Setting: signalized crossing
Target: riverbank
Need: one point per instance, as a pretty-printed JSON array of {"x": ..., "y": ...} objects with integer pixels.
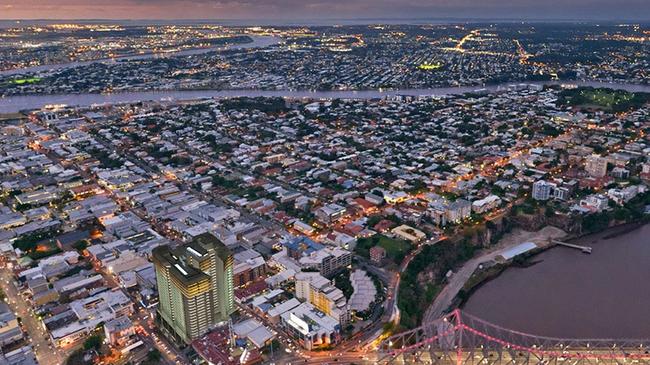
[
  {"x": 619, "y": 230},
  {"x": 524, "y": 260},
  {"x": 543, "y": 240},
  {"x": 567, "y": 293},
  {"x": 14, "y": 104},
  {"x": 447, "y": 296}
]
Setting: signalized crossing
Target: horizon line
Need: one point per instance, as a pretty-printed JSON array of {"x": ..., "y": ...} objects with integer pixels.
[{"x": 306, "y": 19}]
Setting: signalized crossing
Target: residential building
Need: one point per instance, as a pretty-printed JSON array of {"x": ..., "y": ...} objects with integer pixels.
[
  {"x": 365, "y": 291},
  {"x": 195, "y": 286},
  {"x": 10, "y": 331},
  {"x": 118, "y": 331},
  {"x": 458, "y": 210},
  {"x": 622, "y": 196},
  {"x": 249, "y": 267},
  {"x": 620, "y": 173},
  {"x": 595, "y": 202},
  {"x": 312, "y": 255},
  {"x": 330, "y": 213},
  {"x": 486, "y": 204},
  {"x": 21, "y": 356},
  {"x": 596, "y": 166},
  {"x": 85, "y": 314},
  {"x": 320, "y": 292},
  {"x": 542, "y": 190},
  {"x": 561, "y": 193}
]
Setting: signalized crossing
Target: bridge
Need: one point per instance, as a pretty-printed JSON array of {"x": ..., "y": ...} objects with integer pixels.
[{"x": 462, "y": 339}]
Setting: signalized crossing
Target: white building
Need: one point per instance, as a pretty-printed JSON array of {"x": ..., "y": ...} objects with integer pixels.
[
  {"x": 89, "y": 312},
  {"x": 459, "y": 210},
  {"x": 622, "y": 196},
  {"x": 561, "y": 193},
  {"x": 364, "y": 291},
  {"x": 595, "y": 202},
  {"x": 542, "y": 190},
  {"x": 486, "y": 204},
  {"x": 330, "y": 213},
  {"x": 311, "y": 327},
  {"x": 328, "y": 261}
]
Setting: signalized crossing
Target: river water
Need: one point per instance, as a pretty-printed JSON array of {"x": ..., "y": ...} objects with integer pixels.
[
  {"x": 16, "y": 103},
  {"x": 570, "y": 294}
]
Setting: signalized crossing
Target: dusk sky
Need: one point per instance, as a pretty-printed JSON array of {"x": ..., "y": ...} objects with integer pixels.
[{"x": 319, "y": 9}]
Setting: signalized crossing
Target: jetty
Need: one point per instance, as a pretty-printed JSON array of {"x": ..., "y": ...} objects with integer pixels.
[{"x": 584, "y": 249}]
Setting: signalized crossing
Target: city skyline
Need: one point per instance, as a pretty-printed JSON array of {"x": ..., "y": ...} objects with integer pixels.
[{"x": 637, "y": 10}]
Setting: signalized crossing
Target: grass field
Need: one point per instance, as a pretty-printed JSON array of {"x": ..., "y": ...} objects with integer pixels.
[
  {"x": 430, "y": 66},
  {"x": 395, "y": 249},
  {"x": 30, "y": 80},
  {"x": 605, "y": 99}
]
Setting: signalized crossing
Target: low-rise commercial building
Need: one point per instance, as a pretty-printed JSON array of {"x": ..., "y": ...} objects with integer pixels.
[{"x": 311, "y": 327}]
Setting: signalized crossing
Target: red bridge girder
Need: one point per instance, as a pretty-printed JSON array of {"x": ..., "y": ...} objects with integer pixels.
[{"x": 461, "y": 338}]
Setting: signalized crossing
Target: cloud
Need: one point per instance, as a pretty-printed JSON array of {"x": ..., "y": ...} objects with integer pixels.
[{"x": 312, "y": 9}]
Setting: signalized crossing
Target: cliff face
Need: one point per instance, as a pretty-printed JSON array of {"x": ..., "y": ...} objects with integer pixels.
[
  {"x": 535, "y": 222},
  {"x": 565, "y": 223}
]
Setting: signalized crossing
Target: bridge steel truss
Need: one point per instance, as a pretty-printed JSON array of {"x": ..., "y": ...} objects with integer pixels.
[{"x": 462, "y": 339}]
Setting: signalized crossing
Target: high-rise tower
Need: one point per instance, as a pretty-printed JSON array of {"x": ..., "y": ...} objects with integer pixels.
[{"x": 195, "y": 286}]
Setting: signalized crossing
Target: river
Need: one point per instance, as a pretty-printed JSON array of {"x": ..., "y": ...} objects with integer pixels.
[
  {"x": 570, "y": 294},
  {"x": 25, "y": 102}
]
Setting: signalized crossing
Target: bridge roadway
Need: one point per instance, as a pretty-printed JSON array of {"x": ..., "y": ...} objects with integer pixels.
[{"x": 477, "y": 357}]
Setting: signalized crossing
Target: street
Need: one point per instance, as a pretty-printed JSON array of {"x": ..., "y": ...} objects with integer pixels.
[{"x": 39, "y": 339}]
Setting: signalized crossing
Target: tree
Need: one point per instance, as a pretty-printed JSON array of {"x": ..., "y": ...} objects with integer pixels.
[
  {"x": 154, "y": 355},
  {"x": 622, "y": 214},
  {"x": 93, "y": 342},
  {"x": 80, "y": 245},
  {"x": 596, "y": 222},
  {"x": 342, "y": 282},
  {"x": 275, "y": 346},
  {"x": 76, "y": 358},
  {"x": 373, "y": 220},
  {"x": 549, "y": 212}
]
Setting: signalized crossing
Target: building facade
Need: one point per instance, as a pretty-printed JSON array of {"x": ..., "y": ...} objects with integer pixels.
[
  {"x": 542, "y": 190},
  {"x": 323, "y": 295},
  {"x": 311, "y": 327},
  {"x": 195, "y": 287},
  {"x": 596, "y": 166}
]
